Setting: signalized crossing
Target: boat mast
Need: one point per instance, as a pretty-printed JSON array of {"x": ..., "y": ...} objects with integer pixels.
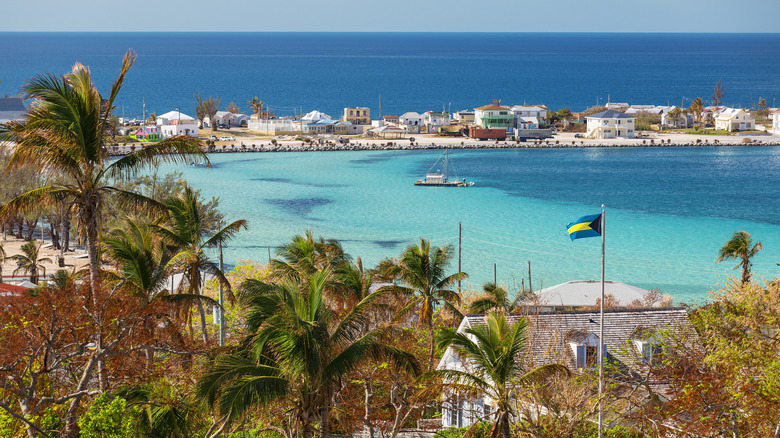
[{"x": 446, "y": 165}]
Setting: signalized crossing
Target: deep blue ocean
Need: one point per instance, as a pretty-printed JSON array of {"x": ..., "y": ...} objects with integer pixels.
[
  {"x": 668, "y": 210},
  {"x": 411, "y": 71}
]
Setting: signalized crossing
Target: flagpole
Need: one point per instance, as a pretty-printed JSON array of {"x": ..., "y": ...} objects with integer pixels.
[{"x": 601, "y": 324}]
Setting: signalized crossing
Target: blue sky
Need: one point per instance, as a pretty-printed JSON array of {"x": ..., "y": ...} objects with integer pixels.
[{"x": 395, "y": 16}]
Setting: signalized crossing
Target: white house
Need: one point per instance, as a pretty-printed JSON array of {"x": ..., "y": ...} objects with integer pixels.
[
  {"x": 610, "y": 124},
  {"x": 669, "y": 120},
  {"x": 412, "y": 121},
  {"x": 776, "y": 122},
  {"x": 617, "y": 106},
  {"x": 433, "y": 120},
  {"x": 175, "y": 123},
  {"x": 522, "y": 123},
  {"x": 734, "y": 119},
  {"x": 631, "y": 338},
  {"x": 464, "y": 117},
  {"x": 527, "y": 112}
]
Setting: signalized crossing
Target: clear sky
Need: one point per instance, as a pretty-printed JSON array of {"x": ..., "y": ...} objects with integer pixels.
[{"x": 393, "y": 16}]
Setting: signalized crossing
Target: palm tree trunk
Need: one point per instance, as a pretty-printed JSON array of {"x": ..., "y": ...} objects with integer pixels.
[
  {"x": 431, "y": 346},
  {"x": 90, "y": 222},
  {"x": 202, "y": 314}
]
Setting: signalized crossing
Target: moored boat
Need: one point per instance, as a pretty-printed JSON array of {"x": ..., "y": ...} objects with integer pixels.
[{"x": 442, "y": 178}]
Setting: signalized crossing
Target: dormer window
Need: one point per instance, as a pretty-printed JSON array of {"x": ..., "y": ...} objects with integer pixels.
[
  {"x": 585, "y": 347},
  {"x": 650, "y": 351},
  {"x": 648, "y": 344}
]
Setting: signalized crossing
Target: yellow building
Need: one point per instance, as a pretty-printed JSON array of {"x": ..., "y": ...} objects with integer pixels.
[{"x": 357, "y": 116}]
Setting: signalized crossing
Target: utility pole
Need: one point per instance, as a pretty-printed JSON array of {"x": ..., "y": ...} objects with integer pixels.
[
  {"x": 221, "y": 304},
  {"x": 494, "y": 275},
  {"x": 530, "y": 284},
  {"x": 460, "y": 249}
]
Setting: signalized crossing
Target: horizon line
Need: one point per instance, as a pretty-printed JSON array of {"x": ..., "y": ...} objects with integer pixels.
[{"x": 389, "y": 31}]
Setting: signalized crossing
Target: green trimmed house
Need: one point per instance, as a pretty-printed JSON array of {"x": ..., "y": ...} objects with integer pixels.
[{"x": 493, "y": 116}]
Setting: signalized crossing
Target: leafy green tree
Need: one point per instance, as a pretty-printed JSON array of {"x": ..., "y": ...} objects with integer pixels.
[
  {"x": 494, "y": 354},
  {"x": 739, "y": 248},
  {"x": 185, "y": 234},
  {"x": 106, "y": 418},
  {"x": 298, "y": 349},
  {"x": 65, "y": 132},
  {"x": 422, "y": 271},
  {"x": 29, "y": 261}
]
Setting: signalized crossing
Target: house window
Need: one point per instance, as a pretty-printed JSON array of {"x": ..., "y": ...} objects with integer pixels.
[
  {"x": 587, "y": 356},
  {"x": 453, "y": 415}
]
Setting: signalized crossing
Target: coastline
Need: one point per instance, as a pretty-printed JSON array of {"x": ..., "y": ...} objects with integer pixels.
[{"x": 250, "y": 143}]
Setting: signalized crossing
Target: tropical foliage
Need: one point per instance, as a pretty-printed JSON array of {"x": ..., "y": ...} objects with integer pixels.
[
  {"x": 421, "y": 270},
  {"x": 495, "y": 365},
  {"x": 65, "y": 132},
  {"x": 740, "y": 247}
]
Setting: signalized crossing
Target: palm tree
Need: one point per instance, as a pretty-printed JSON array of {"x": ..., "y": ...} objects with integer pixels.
[
  {"x": 493, "y": 356},
  {"x": 29, "y": 262},
  {"x": 140, "y": 258},
  {"x": 421, "y": 270},
  {"x": 186, "y": 235},
  {"x": 697, "y": 108},
  {"x": 298, "y": 349},
  {"x": 494, "y": 298},
  {"x": 305, "y": 255},
  {"x": 65, "y": 133},
  {"x": 738, "y": 248},
  {"x": 257, "y": 106}
]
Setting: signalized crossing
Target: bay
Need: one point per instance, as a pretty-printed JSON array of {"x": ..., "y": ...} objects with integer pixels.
[{"x": 669, "y": 210}]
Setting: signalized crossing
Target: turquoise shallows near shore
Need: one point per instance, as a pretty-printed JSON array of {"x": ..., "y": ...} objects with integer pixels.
[{"x": 668, "y": 211}]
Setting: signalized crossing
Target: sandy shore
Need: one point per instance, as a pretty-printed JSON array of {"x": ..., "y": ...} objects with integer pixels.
[
  {"x": 12, "y": 246},
  {"x": 246, "y": 141}
]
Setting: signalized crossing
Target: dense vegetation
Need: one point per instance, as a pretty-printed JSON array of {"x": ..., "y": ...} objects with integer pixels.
[{"x": 315, "y": 343}]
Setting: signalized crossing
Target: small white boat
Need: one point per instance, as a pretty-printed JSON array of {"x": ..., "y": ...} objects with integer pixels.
[{"x": 442, "y": 178}]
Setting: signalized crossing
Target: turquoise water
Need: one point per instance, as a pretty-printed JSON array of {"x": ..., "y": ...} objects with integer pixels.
[{"x": 668, "y": 210}]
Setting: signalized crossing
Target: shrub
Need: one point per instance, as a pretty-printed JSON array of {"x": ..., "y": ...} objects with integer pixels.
[
  {"x": 106, "y": 419},
  {"x": 480, "y": 431}
]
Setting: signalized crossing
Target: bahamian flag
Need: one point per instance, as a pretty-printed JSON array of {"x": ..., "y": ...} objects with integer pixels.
[{"x": 586, "y": 226}]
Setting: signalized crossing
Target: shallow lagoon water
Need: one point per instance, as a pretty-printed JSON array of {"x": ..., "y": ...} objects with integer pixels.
[{"x": 668, "y": 210}]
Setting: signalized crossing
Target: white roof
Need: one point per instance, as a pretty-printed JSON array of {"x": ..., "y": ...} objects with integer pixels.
[
  {"x": 729, "y": 113},
  {"x": 316, "y": 116},
  {"x": 527, "y": 108},
  {"x": 389, "y": 129},
  {"x": 585, "y": 293},
  {"x": 411, "y": 115},
  {"x": 174, "y": 115}
]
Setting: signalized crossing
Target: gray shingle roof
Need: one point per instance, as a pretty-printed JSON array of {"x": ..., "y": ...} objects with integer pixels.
[
  {"x": 549, "y": 333},
  {"x": 610, "y": 114}
]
